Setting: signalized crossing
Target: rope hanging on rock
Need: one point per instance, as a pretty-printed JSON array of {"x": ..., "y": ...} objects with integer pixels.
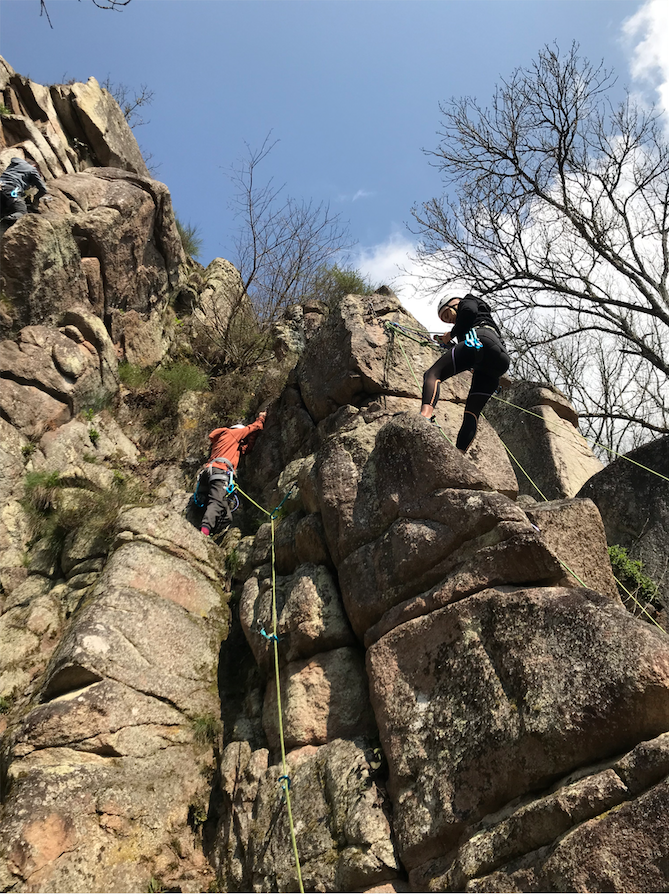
[{"x": 284, "y": 779}]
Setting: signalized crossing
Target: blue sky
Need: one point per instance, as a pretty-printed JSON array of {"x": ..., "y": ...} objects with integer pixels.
[{"x": 349, "y": 88}]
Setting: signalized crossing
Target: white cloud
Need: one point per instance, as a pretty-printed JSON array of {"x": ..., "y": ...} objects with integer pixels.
[
  {"x": 646, "y": 34},
  {"x": 362, "y": 194},
  {"x": 392, "y": 263}
]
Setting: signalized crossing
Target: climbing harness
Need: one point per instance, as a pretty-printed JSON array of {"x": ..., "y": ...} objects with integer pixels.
[
  {"x": 215, "y": 473},
  {"x": 284, "y": 779}
]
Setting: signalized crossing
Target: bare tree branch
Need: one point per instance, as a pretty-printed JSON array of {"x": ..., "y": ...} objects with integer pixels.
[
  {"x": 130, "y": 100},
  {"x": 101, "y": 4}
]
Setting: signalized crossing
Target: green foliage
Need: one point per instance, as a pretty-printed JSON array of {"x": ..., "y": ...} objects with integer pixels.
[
  {"x": 155, "y": 885},
  {"x": 4, "y": 111},
  {"x": 206, "y": 728},
  {"x": 6, "y": 702},
  {"x": 28, "y": 449},
  {"x": 180, "y": 378},
  {"x": 190, "y": 238},
  {"x": 232, "y": 396},
  {"x": 630, "y": 573},
  {"x": 88, "y": 414},
  {"x": 334, "y": 283},
  {"x": 197, "y": 816},
  {"x": 94, "y": 436},
  {"x": 133, "y": 376},
  {"x": 232, "y": 561},
  {"x": 51, "y": 518},
  {"x": 40, "y": 488}
]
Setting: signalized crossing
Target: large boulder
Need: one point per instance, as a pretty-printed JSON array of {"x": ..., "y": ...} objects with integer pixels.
[
  {"x": 353, "y": 356},
  {"x": 323, "y": 698},
  {"x": 634, "y": 505},
  {"x": 370, "y": 472},
  {"x": 121, "y": 226},
  {"x": 89, "y": 111},
  {"x": 13, "y": 529},
  {"x": 540, "y": 428},
  {"x": 48, "y": 375},
  {"x": 601, "y": 824},
  {"x": 502, "y": 693},
  {"x": 66, "y": 127},
  {"x": 310, "y": 614},
  {"x": 340, "y": 813},
  {"x": 109, "y": 763}
]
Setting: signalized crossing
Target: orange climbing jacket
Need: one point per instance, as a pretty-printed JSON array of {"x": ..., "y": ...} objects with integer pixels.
[{"x": 232, "y": 443}]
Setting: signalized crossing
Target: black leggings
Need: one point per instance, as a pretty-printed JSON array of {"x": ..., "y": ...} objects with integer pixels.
[{"x": 488, "y": 362}]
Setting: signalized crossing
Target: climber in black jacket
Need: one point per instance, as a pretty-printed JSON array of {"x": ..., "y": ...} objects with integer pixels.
[
  {"x": 479, "y": 347},
  {"x": 15, "y": 181}
]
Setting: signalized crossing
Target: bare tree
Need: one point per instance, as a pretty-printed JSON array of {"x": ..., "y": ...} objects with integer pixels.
[
  {"x": 130, "y": 100},
  {"x": 280, "y": 248},
  {"x": 282, "y": 243},
  {"x": 558, "y": 200}
]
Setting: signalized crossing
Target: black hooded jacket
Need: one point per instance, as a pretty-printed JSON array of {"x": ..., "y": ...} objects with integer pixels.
[
  {"x": 472, "y": 312},
  {"x": 21, "y": 175}
]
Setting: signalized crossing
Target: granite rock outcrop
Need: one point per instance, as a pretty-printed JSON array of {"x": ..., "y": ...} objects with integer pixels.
[{"x": 466, "y": 704}]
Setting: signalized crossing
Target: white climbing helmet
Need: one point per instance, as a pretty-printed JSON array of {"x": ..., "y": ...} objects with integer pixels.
[{"x": 445, "y": 302}]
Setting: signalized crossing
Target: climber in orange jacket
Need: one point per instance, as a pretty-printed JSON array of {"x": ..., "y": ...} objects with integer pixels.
[{"x": 228, "y": 445}]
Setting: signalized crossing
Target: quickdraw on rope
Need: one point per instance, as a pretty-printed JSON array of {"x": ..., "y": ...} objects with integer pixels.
[
  {"x": 284, "y": 779},
  {"x": 275, "y": 511},
  {"x": 390, "y": 325}
]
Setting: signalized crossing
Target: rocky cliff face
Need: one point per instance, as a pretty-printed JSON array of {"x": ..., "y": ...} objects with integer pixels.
[{"x": 467, "y": 705}]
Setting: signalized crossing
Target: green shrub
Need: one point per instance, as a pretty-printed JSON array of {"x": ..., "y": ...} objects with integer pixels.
[
  {"x": 51, "y": 520},
  {"x": 232, "y": 561},
  {"x": 133, "y": 376},
  {"x": 334, "y": 283},
  {"x": 197, "y": 816},
  {"x": 6, "y": 702},
  {"x": 190, "y": 238},
  {"x": 629, "y": 572},
  {"x": 206, "y": 728},
  {"x": 180, "y": 378},
  {"x": 4, "y": 110},
  {"x": 40, "y": 489},
  {"x": 28, "y": 449},
  {"x": 94, "y": 436}
]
